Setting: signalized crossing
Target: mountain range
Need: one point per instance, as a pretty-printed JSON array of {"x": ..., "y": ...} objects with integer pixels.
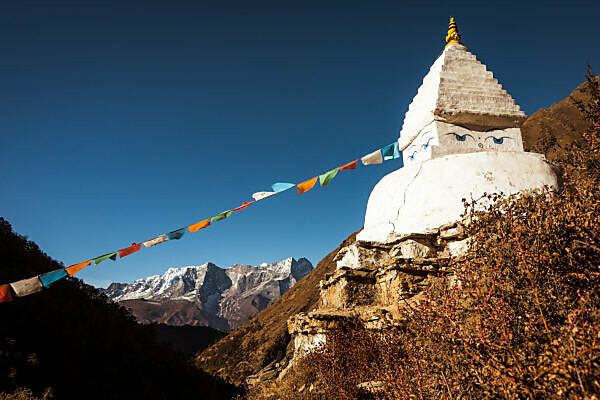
[{"x": 207, "y": 295}]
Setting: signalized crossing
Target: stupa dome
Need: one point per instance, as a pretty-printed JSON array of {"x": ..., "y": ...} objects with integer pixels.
[{"x": 460, "y": 138}]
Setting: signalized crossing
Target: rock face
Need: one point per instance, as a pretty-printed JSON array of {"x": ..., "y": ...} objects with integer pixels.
[{"x": 208, "y": 295}]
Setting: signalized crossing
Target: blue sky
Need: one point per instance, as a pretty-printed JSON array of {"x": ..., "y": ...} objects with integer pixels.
[{"x": 122, "y": 120}]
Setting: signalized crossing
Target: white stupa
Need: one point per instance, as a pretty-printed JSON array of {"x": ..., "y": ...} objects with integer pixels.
[{"x": 461, "y": 138}]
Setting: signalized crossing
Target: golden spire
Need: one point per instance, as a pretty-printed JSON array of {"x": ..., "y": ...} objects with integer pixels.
[{"x": 453, "y": 35}]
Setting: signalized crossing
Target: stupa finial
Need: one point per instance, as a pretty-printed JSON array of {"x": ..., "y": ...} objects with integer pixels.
[{"x": 453, "y": 37}]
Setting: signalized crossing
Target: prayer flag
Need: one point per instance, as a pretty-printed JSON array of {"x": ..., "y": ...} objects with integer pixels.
[
  {"x": 350, "y": 165},
  {"x": 5, "y": 296},
  {"x": 223, "y": 215},
  {"x": 391, "y": 151},
  {"x": 27, "y": 286},
  {"x": 73, "y": 269},
  {"x": 372, "y": 158},
  {"x": 176, "y": 234},
  {"x": 49, "y": 278},
  {"x": 112, "y": 256},
  {"x": 199, "y": 225},
  {"x": 281, "y": 186},
  {"x": 262, "y": 195},
  {"x": 130, "y": 250},
  {"x": 244, "y": 205},
  {"x": 306, "y": 186},
  {"x": 325, "y": 178},
  {"x": 155, "y": 241}
]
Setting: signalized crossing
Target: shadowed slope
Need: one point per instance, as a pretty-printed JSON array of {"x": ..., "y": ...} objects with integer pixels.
[{"x": 70, "y": 339}]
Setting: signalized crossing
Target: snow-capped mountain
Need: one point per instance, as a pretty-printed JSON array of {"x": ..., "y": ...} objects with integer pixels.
[{"x": 223, "y": 298}]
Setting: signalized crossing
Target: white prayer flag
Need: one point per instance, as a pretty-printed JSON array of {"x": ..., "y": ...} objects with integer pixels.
[
  {"x": 155, "y": 241},
  {"x": 373, "y": 158},
  {"x": 262, "y": 195},
  {"x": 27, "y": 286}
]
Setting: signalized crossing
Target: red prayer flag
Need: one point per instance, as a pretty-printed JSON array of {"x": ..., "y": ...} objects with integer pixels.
[
  {"x": 129, "y": 250},
  {"x": 350, "y": 165},
  {"x": 5, "y": 296},
  {"x": 244, "y": 205}
]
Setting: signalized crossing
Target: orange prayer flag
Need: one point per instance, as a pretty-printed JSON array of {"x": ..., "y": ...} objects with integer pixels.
[
  {"x": 306, "y": 186},
  {"x": 129, "y": 250},
  {"x": 5, "y": 295},
  {"x": 199, "y": 225},
  {"x": 73, "y": 269},
  {"x": 350, "y": 165},
  {"x": 244, "y": 205}
]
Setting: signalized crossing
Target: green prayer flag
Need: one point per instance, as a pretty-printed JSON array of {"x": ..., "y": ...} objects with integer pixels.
[
  {"x": 327, "y": 177},
  {"x": 112, "y": 256},
  {"x": 221, "y": 216}
]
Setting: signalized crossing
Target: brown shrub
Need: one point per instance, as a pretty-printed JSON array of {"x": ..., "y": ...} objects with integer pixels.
[{"x": 25, "y": 394}]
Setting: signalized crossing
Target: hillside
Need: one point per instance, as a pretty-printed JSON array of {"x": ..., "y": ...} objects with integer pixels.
[
  {"x": 552, "y": 130},
  {"x": 264, "y": 338},
  {"x": 70, "y": 341}
]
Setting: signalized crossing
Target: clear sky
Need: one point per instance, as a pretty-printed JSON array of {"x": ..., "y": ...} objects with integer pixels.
[{"x": 122, "y": 120}]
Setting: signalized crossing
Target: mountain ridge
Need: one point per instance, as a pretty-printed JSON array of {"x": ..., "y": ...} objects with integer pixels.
[{"x": 208, "y": 295}]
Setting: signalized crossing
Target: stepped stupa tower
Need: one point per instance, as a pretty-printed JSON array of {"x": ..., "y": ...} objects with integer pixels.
[{"x": 461, "y": 138}]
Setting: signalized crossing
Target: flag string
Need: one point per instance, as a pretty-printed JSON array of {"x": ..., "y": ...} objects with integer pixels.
[{"x": 37, "y": 283}]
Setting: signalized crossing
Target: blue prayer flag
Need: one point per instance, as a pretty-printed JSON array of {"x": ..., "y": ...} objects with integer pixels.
[
  {"x": 391, "y": 152},
  {"x": 49, "y": 278},
  {"x": 176, "y": 235},
  {"x": 281, "y": 186}
]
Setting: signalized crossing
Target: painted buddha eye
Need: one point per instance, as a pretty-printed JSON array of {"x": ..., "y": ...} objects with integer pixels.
[
  {"x": 460, "y": 138},
  {"x": 499, "y": 140},
  {"x": 412, "y": 156}
]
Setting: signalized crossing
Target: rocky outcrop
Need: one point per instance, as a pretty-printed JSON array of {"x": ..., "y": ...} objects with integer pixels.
[
  {"x": 208, "y": 295},
  {"x": 373, "y": 281}
]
